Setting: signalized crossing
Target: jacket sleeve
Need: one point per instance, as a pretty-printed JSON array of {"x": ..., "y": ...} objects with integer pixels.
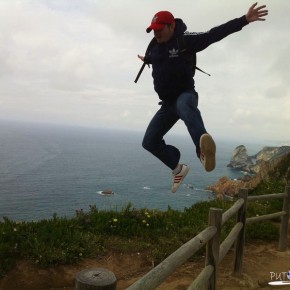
[{"x": 199, "y": 41}]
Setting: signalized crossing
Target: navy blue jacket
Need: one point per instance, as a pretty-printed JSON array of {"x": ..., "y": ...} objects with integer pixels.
[{"x": 172, "y": 73}]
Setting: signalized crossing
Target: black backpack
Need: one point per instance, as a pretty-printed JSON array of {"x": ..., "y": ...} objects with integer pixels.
[{"x": 184, "y": 53}]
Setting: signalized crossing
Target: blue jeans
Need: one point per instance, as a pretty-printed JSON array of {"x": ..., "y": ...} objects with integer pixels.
[{"x": 184, "y": 108}]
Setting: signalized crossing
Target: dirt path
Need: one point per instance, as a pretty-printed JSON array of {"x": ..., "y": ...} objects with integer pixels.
[{"x": 259, "y": 260}]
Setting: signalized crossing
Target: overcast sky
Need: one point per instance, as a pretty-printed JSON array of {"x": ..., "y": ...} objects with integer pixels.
[{"x": 74, "y": 62}]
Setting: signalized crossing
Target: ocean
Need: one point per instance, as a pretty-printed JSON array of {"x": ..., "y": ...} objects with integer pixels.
[{"x": 49, "y": 169}]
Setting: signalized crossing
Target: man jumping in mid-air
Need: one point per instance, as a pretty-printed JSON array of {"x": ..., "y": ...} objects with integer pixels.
[{"x": 174, "y": 84}]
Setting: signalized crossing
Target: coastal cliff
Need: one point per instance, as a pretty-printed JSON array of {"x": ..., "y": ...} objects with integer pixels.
[
  {"x": 270, "y": 162},
  {"x": 252, "y": 164}
]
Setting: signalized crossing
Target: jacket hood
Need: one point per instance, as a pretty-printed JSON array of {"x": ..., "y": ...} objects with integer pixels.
[{"x": 180, "y": 27}]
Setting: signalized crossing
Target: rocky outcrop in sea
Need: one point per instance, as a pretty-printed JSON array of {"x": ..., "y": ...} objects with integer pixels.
[
  {"x": 240, "y": 159},
  {"x": 257, "y": 166}
]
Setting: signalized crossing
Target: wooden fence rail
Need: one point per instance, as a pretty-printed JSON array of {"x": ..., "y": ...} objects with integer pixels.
[
  {"x": 232, "y": 211},
  {"x": 158, "y": 274},
  {"x": 216, "y": 251}
]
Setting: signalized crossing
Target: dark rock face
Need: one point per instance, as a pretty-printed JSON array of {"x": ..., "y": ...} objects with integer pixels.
[
  {"x": 270, "y": 163},
  {"x": 252, "y": 164},
  {"x": 240, "y": 159}
]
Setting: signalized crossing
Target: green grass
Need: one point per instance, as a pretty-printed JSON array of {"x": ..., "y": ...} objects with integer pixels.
[{"x": 89, "y": 234}]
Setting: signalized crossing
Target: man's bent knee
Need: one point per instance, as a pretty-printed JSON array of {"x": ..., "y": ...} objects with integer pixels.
[
  {"x": 150, "y": 146},
  {"x": 147, "y": 145}
]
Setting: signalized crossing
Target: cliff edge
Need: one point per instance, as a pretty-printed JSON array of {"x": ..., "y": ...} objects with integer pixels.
[{"x": 270, "y": 162}]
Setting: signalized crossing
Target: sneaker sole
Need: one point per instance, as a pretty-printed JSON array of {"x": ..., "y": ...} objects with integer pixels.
[
  {"x": 184, "y": 175},
  {"x": 208, "y": 148}
]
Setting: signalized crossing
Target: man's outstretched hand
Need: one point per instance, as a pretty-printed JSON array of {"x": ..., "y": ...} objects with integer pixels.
[
  {"x": 256, "y": 14},
  {"x": 141, "y": 57}
]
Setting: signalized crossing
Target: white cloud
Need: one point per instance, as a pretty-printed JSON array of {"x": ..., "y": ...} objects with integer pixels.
[{"x": 73, "y": 61}]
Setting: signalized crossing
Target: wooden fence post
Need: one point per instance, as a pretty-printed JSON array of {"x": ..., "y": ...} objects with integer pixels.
[
  {"x": 213, "y": 245},
  {"x": 96, "y": 279},
  {"x": 285, "y": 221},
  {"x": 240, "y": 242}
]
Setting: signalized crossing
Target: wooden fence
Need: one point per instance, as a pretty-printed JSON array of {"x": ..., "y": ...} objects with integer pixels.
[{"x": 215, "y": 251}]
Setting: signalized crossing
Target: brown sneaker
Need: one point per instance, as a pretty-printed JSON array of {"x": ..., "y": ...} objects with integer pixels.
[
  {"x": 177, "y": 178},
  {"x": 207, "y": 152}
]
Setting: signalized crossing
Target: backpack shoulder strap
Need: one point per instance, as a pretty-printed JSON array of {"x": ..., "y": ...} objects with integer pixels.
[
  {"x": 181, "y": 43},
  {"x": 146, "y": 58},
  {"x": 191, "y": 57},
  {"x": 151, "y": 44}
]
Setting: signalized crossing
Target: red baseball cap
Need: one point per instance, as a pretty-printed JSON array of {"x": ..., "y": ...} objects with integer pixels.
[{"x": 160, "y": 19}]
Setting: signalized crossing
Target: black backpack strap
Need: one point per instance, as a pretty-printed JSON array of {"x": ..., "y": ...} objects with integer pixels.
[
  {"x": 140, "y": 72},
  {"x": 150, "y": 46},
  {"x": 202, "y": 71},
  {"x": 146, "y": 58},
  {"x": 181, "y": 43},
  {"x": 190, "y": 57}
]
